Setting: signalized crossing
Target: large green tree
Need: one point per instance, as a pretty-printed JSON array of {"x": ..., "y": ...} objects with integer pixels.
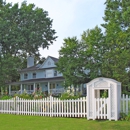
[
  {"x": 105, "y": 53},
  {"x": 80, "y": 60},
  {"x": 117, "y": 40},
  {"x": 23, "y": 30}
]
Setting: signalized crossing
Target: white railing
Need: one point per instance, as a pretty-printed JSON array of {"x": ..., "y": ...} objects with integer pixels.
[
  {"x": 45, "y": 107},
  {"x": 57, "y": 91},
  {"x": 14, "y": 92},
  {"x": 19, "y": 92}
]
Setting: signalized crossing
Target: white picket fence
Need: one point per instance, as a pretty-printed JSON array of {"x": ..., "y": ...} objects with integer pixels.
[
  {"x": 125, "y": 104},
  {"x": 45, "y": 107},
  {"x": 55, "y": 107}
]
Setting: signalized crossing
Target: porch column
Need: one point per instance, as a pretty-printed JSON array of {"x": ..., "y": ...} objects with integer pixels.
[
  {"x": 21, "y": 88},
  {"x": 34, "y": 87},
  {"x": 48, "y": 87},
  {"x": 9, "y": 89},
  {"x": 40, "y": 87}
]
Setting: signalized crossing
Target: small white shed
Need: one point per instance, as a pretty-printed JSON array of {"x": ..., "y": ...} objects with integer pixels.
[{"x": 103, "y": 108}]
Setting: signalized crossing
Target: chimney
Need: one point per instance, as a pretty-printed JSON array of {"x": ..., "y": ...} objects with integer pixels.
[{"x": 30, "y": 61}]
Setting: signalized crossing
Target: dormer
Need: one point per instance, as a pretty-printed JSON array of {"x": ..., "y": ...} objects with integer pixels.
[{"x": 49, "y": 63}]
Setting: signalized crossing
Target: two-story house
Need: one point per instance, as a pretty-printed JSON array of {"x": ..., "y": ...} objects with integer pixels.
[
  {"x": 41, "y": 76},
  {"x": 44, "y": 77}
]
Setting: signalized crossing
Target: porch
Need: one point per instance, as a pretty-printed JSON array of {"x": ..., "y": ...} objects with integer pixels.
[{"x": 50, "y": 87}]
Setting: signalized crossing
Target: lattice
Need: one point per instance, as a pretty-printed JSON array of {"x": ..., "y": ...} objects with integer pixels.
[
  {"x": 112, "y": 100},
  {"x": 90, "y": 101}
]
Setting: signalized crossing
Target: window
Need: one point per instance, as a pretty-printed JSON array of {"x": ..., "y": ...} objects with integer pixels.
[
  {"x": 25, "y": 76},
  {"x": 55, "y": 73},
  {"x": 49, "y": 73},
  {"x": 34, "y": 75}
]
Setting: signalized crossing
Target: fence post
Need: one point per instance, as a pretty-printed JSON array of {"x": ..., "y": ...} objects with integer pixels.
[
  {"x": 123, "y": 103},
  {"x": 126, "y": 104}
]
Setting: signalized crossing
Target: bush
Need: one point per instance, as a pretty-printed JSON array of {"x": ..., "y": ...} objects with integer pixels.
[
  {"x": 5, "y": 97},
  {"x": 66, "y": 96},
  {"x": 125, "y": 117}
]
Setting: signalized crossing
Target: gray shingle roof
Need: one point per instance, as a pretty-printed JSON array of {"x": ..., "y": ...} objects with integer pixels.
[
  {"x": 54, "y": 59},
  {"x": 36, "y": 67},
  {"x": 40, "y": 80}
]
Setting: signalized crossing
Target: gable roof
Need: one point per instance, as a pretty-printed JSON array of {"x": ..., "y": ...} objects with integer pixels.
[
  {"x": 37, "y": 66},
  {"x": 54, "y": 59}
]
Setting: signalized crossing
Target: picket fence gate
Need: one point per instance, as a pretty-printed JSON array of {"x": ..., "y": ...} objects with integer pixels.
[
  {"x": 101, "y": 108},
  {"x": 55, "y": 107}
]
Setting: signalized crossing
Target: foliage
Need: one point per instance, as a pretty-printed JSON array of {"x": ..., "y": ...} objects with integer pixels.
[
  {"x": 68, "y": 95},
  {"x": 70, "y": 62},
  {"x": 125, "y": 117},
  {"x": 117, "y": 27},
  {"x": 100, "y": 53},
  {"x": 24, "y": 29},
  {"x": 80, "y": 61},
  {"x": 104, "y": 93},
  {"x": 5, "y": 97},
  {"x": 38, "y": 94}
]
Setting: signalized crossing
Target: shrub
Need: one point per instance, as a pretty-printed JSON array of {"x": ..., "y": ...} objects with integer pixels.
[
  {"x": 5, "y": 97},
  {"x": 66, "y": 95},
  {"x": 125, "y": 117}
]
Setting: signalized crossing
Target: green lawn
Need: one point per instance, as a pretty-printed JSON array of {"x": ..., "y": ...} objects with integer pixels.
[{"x": 20, "y": 122}]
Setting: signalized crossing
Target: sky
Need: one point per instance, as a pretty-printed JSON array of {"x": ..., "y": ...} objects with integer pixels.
[{"x": 70, "y": 18}]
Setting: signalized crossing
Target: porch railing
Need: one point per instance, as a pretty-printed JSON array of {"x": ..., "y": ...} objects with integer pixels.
[
  {"x": 19, "y": 92},
  {"x": 57, "y": 91}
]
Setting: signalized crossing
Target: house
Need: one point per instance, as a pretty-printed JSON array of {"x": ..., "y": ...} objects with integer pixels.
[{"x": 40, "y": 76}]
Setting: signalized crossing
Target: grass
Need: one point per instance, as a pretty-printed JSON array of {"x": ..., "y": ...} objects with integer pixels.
[{"x": 21, "y": 122}]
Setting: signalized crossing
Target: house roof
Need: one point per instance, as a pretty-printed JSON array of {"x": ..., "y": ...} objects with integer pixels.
[
  {"x": 40, "y": 80},
  {"x": 37, "y": 66},
  {"x": 54, "y": 59}
]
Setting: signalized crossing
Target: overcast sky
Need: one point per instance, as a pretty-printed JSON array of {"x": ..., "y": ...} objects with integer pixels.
[{"x": 70, "y": 18}]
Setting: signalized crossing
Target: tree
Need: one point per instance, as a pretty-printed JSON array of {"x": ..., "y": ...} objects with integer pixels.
[
  {"x": 117, "y": 39},
  {"x": 105, "y": 53},
  {"x": 69, "y": 61},
  {"x": 24, "y": 29},
  {"x": 80, "y": 61}
]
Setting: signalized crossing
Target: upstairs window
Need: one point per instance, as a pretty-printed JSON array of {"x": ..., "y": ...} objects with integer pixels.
[
  {"x": 55, "y": 73},
  {"x": 25, "y": 76},
  {"x": 49, "y": 73},
  {"x": 34, "y": 75}
]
